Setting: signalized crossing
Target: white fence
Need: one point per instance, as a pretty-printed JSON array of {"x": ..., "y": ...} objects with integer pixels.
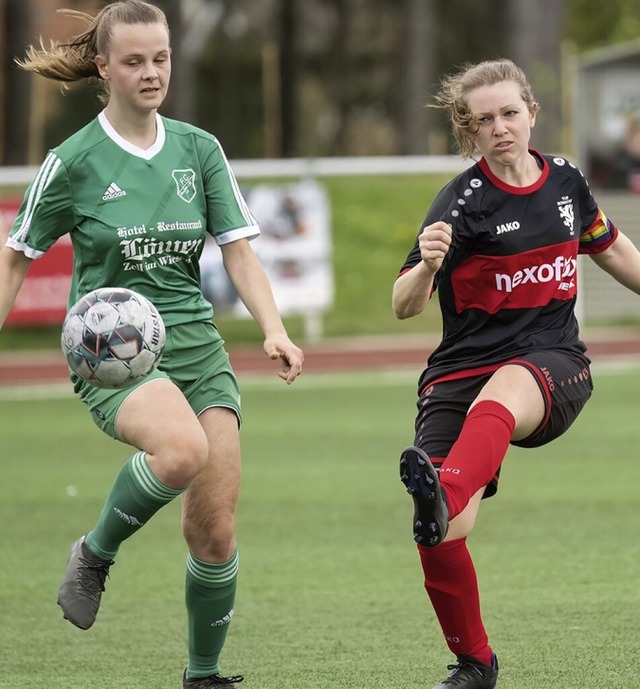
[
  {"x": 601, "y": 298},
  {"x": 302, "y": 167},
  {"x": 295, "y": 246}
]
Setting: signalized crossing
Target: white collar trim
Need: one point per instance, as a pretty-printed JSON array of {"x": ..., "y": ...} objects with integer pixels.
[{"x": 147, "y": 153}]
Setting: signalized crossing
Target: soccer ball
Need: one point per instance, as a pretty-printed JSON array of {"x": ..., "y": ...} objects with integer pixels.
[{"x": 113, "y": 337}]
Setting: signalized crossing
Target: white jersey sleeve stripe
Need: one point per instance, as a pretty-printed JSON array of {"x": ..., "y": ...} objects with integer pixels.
[
  {"x": 43, "y": 177},
  {"x": 21, "y": 246},
  {"x": 242, "y": 204},
  {"x": 233, "y": 235}
]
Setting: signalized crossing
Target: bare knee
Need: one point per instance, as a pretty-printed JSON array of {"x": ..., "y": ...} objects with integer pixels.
[
  {"x": 180, "y": 459},
  {"x": 212, "y": 539}
]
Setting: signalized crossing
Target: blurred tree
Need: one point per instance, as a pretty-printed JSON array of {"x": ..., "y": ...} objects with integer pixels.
[
  {"x": 177, "y": 105},
  {"x": 227, "y": 81},
  {"x": 16, "y": 84},
  {"x": 469, "y": 31},
  {"x": 319, "y": 77},
  {"x": 418, "y": 50},
  {"x": 594, "y": 24},
  {"x": 534, "y": 36},
  {"x": 288, "y": 21}
]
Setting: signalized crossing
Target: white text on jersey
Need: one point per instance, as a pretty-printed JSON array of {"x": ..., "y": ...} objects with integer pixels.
[
  {"x": 508, "y": 227},
  {"x": 560, "y": 269}
]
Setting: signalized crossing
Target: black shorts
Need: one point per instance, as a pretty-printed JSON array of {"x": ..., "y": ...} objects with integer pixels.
[{"x": 564, "y": 380}]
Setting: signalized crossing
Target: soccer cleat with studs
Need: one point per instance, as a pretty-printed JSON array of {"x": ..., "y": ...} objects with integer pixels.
[
  {"x": 430, "y": 511},
  {"x": 81, "y": 590},
  {"x": 470, "y": 673},
  {"x": 210, "y": 682}
]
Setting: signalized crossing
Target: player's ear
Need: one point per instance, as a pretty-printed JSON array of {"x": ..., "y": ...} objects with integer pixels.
[{"x": 101, "y": 64}]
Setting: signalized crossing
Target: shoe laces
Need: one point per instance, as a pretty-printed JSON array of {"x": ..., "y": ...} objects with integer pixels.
[
  {"x": 92, "y": 574},
  {"x": 214, "y": 681},
  {"x": 462, "y": 671},
  {"x": 234, "y": 679}
]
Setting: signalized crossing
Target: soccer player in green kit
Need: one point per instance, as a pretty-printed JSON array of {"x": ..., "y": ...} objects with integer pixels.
[{"x": 137, "y": 194}]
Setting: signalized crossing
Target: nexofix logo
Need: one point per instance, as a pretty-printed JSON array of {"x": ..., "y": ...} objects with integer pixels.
[{"x": 561, "y": 269}]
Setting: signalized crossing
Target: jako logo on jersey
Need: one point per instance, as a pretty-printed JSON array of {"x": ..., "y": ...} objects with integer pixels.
[
  {"x": 565, "y": 208},
  {"x": 559, "y": 270},
  {"x": 507, "y": 227},
  {"x": 113, "y": 192}
]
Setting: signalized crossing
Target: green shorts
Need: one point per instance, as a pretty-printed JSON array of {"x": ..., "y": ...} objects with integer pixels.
[{"x": 194, "y": 359}]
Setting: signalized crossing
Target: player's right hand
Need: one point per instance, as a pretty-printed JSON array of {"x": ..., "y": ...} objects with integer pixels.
[{"x": 434, "y": 243}]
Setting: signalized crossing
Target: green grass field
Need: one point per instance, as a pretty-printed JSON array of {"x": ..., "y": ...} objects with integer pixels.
[{"x": 330, "y": 591}]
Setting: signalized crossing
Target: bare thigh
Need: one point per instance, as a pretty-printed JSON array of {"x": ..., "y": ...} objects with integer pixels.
[
  {"x": 209, "y": 505},
  {"x": 157, "y": 418},
  {"x": 515, "y": 388}
]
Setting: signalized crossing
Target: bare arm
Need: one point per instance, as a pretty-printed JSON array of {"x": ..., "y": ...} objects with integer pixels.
[
  {"x": 412, "y": 290},
  {"x": 13, "y": 270},
  {"x": 622, "y": 261},
  {"x": 248, "y": 277}
]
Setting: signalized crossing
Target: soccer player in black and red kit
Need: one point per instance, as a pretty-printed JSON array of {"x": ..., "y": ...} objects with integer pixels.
[{"x": 500, "y": 245}]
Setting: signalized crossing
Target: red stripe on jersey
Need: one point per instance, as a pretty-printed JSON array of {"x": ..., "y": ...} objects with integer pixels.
[{"x": 527, "y": 280}]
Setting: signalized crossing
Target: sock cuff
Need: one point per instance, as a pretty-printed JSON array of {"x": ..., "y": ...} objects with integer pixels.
[
  {"x": 446, "y": 546},
  {"x": 213, "y": 575},
  {"x": 493, "y": 408},
  {"x": 148, "y": 482}
]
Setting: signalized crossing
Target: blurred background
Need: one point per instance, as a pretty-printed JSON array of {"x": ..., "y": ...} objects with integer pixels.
[
  {"x": 349, "y": 80},
  {"x": 281, "y": 78}
]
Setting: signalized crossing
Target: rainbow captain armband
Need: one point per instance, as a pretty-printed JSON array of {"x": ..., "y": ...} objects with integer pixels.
[{"x": 599, "y": 236}]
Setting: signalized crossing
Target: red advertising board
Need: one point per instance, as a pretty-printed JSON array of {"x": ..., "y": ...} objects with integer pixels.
[{"x": 42, "y": 300}]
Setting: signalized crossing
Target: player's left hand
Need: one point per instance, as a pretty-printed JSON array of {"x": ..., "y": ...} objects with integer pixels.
[{"x": 291, "y": 357}]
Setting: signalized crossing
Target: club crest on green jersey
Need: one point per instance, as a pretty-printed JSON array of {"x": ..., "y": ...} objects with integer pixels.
[{"x": 186, "y": 183}]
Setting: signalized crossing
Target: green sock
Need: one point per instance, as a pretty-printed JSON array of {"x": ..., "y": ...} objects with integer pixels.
[
  {"x": 210, "y": 591},
  {"x": 135, "y": 497}
]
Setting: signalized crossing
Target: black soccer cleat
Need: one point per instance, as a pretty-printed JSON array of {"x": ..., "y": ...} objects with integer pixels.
[
  {"x": 81, "y": 590},
  {"x": 470, "y": 673},
  {"x": 210, "y": 682},
  {"x": 430, "y": 511}
]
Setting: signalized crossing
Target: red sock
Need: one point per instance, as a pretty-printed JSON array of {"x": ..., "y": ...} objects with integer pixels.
[
  {"x": 477, "y": 454},
  {"x": 450, "y": 580}
]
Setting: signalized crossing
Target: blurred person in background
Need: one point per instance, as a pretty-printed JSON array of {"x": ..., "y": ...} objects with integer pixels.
[
  {"x": 138, "y": 194},
  {"x": 500, "y": 244}
]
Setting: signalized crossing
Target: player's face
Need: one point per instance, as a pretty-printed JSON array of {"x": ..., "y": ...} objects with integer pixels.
[
  {"x": 503, "y": 122},
  {"x": 138, "y": 66}
]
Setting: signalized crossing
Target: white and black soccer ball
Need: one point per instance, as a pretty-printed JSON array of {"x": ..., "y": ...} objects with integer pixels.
[{"x": 113, "y": 337}]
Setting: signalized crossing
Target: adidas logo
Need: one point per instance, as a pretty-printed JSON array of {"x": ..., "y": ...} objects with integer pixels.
[
  {"x": 225, "y": 620},
  {"x": 113, "y": 192}
]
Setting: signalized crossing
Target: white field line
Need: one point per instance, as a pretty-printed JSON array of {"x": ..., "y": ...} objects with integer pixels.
[{"x": 618, "y": 365}]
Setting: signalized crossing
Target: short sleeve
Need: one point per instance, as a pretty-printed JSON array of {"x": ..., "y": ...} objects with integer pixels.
[
  {"x": 46, "y": 211},
  {"x": 229, "y": 217}
]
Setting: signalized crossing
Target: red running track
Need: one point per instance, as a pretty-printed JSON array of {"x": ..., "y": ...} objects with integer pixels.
[{"x": 357, "y": 354}]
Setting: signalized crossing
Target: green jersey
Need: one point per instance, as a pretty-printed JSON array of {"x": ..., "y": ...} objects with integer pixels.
[{"x": 137, "y": 218}]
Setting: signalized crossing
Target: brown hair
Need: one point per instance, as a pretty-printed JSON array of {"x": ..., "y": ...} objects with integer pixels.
[
  {"x": 454, "y": 90},
  {"x": 75, "y": 60}
]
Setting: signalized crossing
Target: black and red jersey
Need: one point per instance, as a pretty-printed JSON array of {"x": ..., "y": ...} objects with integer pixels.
[{"x": 508, "y": 284}]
